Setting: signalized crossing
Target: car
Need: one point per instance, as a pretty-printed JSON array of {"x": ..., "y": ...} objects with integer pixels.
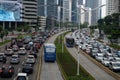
[
  {"x": 22, "y": 51},
  {"x": 118, "y": 53},
  {"x": 33, "y": 53},
  {"x": 37, "y": 45},
  {"x": 15, "y": 59},
  {"x": 28, "y": 47},
  {"x": 35, "y": 49},
  {"x": 30, "y": 59},
  {"x": 27, "y": 68},
  {"x": 19, "y": 43},
  {"x": 99, "y": 56},
  {"x": 15, "y": 48},
  {"x": 2, "y": 57},
  {"x": 21, "y": 76},
  {"x": 9, "y": 52},
  {"x": 114, "y": 66},
  {"x": 6, "y": 71},
  {"x": 105, "y": 62}
]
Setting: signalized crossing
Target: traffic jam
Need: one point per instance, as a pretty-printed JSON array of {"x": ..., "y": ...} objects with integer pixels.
[
  {"x": 19, "y": 57},
  {"x": 101, "y": 52}
]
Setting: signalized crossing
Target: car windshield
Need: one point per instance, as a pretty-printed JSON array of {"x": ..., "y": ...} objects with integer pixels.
[
  {"x": 21, "y": 78},
  {"x": 117, "y": 64},
  {"x": 14, "y": 57}
]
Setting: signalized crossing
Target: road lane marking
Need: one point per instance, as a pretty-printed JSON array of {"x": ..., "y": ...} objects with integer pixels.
[
  {"x": 19, "y": 69},
  {"x": 22, "y": 62}
]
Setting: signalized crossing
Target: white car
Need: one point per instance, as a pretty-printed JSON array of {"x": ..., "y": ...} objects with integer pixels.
[
  {"x": 22, "y": 51},
  {"x": 114, "y": 65},
  {"x": 105, "y": 61},
  {"x": 9, "y": 52},
  {"x": 21, "y": 76},
  {"x": 99, "y": 56},
  {"x": 30, "y": 59}
]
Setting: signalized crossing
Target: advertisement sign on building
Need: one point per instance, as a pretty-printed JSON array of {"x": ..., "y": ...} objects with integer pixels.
[{"x": 10, "y": 10}]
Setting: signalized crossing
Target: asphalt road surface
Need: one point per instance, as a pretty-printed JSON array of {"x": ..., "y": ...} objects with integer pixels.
[
  {"x": 18, "y": 67},
  {"x": 93, "y": 69},
  {"x": 50, "y": 70}
]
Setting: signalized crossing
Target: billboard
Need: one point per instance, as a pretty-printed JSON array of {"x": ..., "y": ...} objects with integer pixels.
[{"x": 10, "y": 11}]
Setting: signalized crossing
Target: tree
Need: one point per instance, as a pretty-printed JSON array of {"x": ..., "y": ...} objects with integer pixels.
[
  {"x": 108, "y": 20},
  {"x": 110, "y": 26},
  {"x": 2, "y": 35},
  {"x": 1, "y": 28},
  {"x": 5, "y": 32},
  {"x": 84, "y": 25},
  {"x": 100, "y": 26}
]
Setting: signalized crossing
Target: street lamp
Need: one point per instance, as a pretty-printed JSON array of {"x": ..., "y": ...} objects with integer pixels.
[{"x": 79, "y": 14}]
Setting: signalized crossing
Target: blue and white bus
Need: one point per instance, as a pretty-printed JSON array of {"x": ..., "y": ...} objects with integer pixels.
[
  {"x": 49, "y": 52},
  {"x": 70, "y": 42}
]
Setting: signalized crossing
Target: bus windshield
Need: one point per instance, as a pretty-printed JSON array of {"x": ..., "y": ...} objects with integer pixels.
[
  {"x": 70, "y": 41},
  {"x": 50, "y": 50}
]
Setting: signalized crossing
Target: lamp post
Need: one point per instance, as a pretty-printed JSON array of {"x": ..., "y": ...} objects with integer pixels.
[{"x": 78, "y": 18}]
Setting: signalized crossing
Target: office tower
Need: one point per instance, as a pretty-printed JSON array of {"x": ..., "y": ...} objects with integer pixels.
[
  {"x": 113, "y": 6},
  {"x": 95, "y": 13},
  {"x": 10, "y": 10},
  {"x": 80, "y": 14},
  {"x": 88, "y": 16},
  {"x": 80, "y": 2},
  {"x": 30, "y": 11},
  {"x": 52, "y": 8},
  {"x": 67, "y": 10},
  {"x": 119, "y": 6},
  {"x": 74, "y": 9},
  {"x": 41, "y": 7}
]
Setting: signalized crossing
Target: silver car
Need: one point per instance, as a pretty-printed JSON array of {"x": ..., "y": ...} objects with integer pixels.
[
  {"x": 22, "y": 51},
  {"x": 30, "y": 59},
  {"x": 15, "y": 59},
  {"x": 114, "y": 65}
]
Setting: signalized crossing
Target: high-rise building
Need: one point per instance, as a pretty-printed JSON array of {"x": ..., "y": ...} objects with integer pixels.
[
  {"x": 51, "y": 8},
  {"x": 95, "y": 13},
  {"x": 29, "y": 11},
  {"x": 88, "y": 16},
  {"x": 67, "y": 10},
  {"x": 74, "y": 9},
  {"x": 10, "y": 10},
  {"x": 80, "y": 14},
  {"x": 112, "y": 6},
  {"x": 119, "y": 6},
  {"x": 80, "y": 2},
  {"x": 18, "y": 11},
  {"x": 41, "y": 7}
]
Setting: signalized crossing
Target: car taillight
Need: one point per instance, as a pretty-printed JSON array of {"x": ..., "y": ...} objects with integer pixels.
[
  {"x": 10, "y": 71},
  {"x": 0, "y": 71}
]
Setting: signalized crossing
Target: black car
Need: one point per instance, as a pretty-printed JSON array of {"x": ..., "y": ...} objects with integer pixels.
[
  {"x": 27, "y": 68},
  {"x": 28, "y": 47},
  {"x": 35, "y": 49},
  {"x": 6, "y": 71}
]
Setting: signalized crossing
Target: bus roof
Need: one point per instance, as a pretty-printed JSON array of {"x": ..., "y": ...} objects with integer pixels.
[
  {"x": 68, "y": 36},
  {"x": 49, "y": 45}
]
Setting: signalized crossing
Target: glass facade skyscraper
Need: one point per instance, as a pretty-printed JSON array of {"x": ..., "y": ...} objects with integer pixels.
[
  {"x": 95, "y": 14},
  {"x": 74, "y": 8},
  {"x": 41, "y": 7}
]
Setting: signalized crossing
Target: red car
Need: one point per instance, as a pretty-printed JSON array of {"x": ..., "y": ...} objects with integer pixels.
[{"x": 37, "y": 45}]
